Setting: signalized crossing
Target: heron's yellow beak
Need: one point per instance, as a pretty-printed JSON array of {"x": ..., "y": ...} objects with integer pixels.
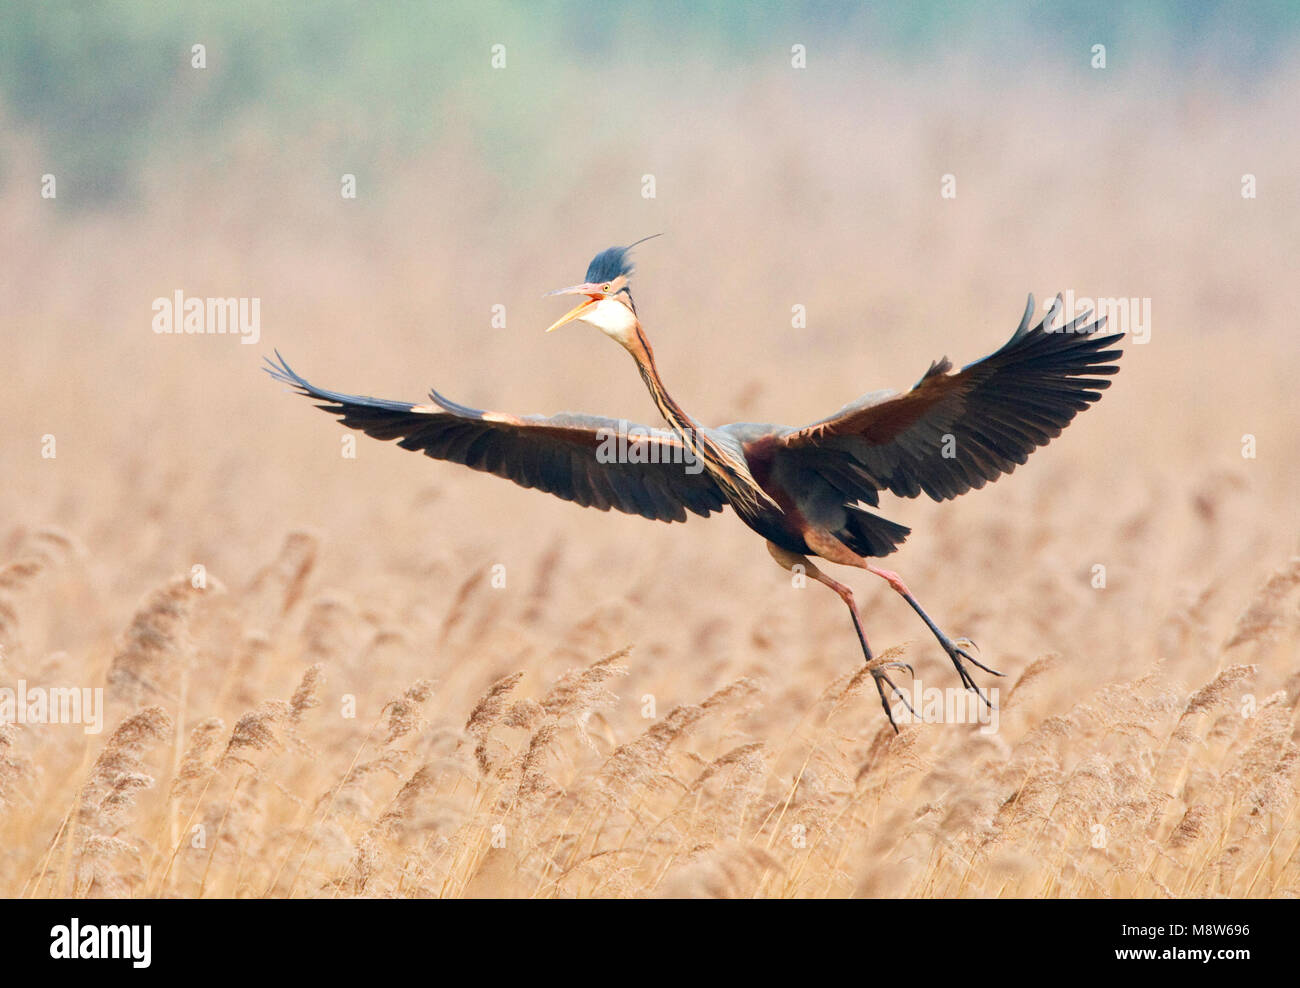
[
  {"x": 574, "y": 313},
  {"x": 594, "y": 295}
]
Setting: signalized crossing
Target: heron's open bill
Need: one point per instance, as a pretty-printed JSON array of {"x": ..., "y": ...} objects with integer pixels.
[{"x": 806, "y": 490}]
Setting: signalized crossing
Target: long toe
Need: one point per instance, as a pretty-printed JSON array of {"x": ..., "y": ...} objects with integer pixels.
[
  {"x": 957, "y": 653},
  {"x": 961, "y": 644},
  {"x": 884, "y": 702},
  {"x": 882, "y": 680}
]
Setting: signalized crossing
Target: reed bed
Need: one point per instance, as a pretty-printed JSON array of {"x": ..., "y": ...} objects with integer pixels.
[{"x": 381, "y": 676}]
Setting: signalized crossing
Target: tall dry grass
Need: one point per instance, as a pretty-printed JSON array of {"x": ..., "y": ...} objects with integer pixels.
[{"x": 355, "y": 704}]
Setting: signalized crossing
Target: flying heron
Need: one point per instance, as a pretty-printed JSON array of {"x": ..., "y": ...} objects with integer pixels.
[{"x": 806, "y": 490}]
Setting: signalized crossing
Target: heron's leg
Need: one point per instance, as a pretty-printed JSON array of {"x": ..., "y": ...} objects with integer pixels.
[
  {"x": 837, "y": 552},
  {"x": 956, "y": 650},
  {"x": 879, "y": 675}
]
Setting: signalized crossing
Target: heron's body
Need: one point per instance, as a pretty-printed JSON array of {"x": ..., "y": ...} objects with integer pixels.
[
  {"x": 808, "y": 491},
  {"x": 803, "y": 503}
]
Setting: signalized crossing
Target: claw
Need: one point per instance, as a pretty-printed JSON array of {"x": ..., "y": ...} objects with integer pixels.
[
  {"x": 958, "y": 646},
  {"x": 957, "y": 652},
  {"x": 880, "y": 677}
]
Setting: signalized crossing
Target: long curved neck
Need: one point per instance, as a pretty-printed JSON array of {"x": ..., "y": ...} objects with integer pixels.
[
  {"x": 677, "y": 417},
  {"x": 730, "y": 470}
]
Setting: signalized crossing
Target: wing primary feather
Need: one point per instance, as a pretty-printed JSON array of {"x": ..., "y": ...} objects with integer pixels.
[
  {"x": 997, "y": 409},
  {"x": 556, "y": 454}
]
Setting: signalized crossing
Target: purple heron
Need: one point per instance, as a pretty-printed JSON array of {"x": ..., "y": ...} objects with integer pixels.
[{"x": 806, "y": 490}]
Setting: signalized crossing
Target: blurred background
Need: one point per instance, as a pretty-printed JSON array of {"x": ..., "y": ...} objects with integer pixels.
[{"x": 792, "y": 154}]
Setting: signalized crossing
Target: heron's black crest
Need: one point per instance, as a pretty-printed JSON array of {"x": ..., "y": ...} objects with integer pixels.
[
  {"x": 608, "y": 265},
  {"x": 612, "y": 262}
]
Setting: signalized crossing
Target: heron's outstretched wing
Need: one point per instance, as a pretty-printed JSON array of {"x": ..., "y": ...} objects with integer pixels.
[
  {"x": 596, "y": 462},
  {"x": 956, "y": 431}
]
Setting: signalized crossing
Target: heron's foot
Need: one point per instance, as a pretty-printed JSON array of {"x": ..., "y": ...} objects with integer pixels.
[
  {"x": 878, "y": 668},
  {"x": 958, "y": 651}
]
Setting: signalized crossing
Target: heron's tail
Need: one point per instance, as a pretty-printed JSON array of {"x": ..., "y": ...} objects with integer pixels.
[{"x": 868, "y": 534}]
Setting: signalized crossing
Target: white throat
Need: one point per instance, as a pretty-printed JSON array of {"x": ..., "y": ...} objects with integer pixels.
[{"x": 614, "y": 319}]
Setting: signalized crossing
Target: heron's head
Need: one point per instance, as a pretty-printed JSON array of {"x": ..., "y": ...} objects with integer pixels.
[{"x": 606, "y": 298}]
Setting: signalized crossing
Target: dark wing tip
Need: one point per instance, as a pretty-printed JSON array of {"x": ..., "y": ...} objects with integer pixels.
[
  {"x": 337, "y": 400},
  {"x": 937, "y": 369},
  {"x": 280, "y": 370},
  {"x": 1023, "y": 328},
  {"x": 454, "y": 407}
]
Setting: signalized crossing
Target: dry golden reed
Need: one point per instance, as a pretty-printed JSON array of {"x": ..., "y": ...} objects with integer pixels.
[{"x": 149, "y": 665}]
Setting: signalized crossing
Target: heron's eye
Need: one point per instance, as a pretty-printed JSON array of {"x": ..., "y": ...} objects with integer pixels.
[{"x": 605, "y": 289}]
